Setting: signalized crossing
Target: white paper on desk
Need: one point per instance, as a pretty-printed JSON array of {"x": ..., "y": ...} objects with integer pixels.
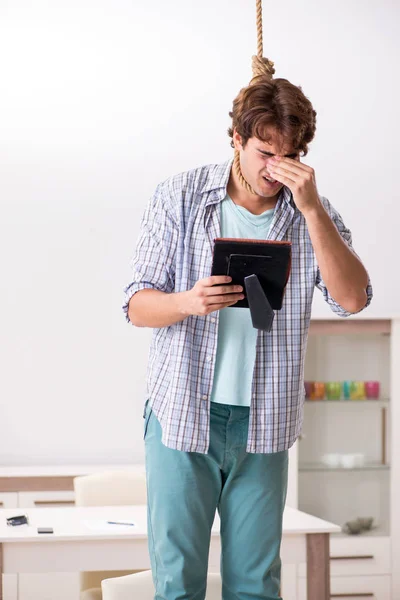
[{"x": 97, "y": 525}]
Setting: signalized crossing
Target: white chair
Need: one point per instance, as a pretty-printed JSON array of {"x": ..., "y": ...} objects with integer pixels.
[
  {"x": 140, "y": 587},
  {"x": 112, "y": 488}
]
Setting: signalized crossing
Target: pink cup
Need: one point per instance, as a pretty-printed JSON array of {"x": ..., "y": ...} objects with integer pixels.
[
  {"x": 372, "y": 389},
  {"x": 309, "y": 389}
]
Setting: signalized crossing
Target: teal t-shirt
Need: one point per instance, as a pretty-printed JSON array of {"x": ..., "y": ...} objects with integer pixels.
[{"x": 237, "y": 338}]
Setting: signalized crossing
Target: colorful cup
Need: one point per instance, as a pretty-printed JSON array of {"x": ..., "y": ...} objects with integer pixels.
[
  {"x": 314, "y": 390},
  {"x": 333, "y": 390},
  {"x": 357, "y": 390},
  {"x": 372, "y": 389},
  {"x": 309, "y": 390},
  {"x": 346, "y": 389},
  {"x": 319, "y": 390}
]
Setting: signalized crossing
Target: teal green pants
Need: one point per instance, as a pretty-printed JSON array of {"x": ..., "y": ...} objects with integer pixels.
[{"x": 184, "y": 491}]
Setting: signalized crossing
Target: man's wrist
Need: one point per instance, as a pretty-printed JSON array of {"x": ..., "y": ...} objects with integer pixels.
[
  {"x": 315, "y": 212},
  {"x": 180, "y": 301}
]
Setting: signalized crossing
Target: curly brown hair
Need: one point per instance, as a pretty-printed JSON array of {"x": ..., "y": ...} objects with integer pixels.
[{"x": 273, "y": 103}]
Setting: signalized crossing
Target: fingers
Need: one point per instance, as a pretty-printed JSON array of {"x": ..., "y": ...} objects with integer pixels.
[
  {"x": 216, "y": 280},
  {"x": 292, "y": 165},
  {"x": 226, "y": 299},
  {"x": 216, "y": 307},
  {"x": 222, "y": 289},
  {"x": 283, "y": 179},
  {"x": 282, "y": 171},
  {"x": 213, "y": 286},
  {"x": 210, "y": 294},
  {"x": 290, "y": 169}
]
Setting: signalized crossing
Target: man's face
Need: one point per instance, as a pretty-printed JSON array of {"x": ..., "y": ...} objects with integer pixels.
[{"x": 254, "y": 165}]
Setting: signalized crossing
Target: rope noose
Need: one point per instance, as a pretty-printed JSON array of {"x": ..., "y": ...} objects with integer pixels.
[{"x": 261, "y": 67}]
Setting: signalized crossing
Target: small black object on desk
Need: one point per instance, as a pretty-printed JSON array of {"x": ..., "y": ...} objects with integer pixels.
[
  {"x": 45, "y": 530},
  {"x": 17, "y": 520}
]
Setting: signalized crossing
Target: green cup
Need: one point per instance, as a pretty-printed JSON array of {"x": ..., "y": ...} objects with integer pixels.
[{"x": 333, "y": 390}]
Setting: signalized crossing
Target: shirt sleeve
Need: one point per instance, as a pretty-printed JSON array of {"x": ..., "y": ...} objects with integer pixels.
[
  {"x": 346, "y": 236},
  {"x": 153, "y": 264}
]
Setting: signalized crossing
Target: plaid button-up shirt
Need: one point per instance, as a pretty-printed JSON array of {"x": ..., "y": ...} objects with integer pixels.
[{"x": 173, "y": 252}]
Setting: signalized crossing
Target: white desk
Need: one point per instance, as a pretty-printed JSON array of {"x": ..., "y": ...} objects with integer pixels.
[{"x": 75, "y": 546}]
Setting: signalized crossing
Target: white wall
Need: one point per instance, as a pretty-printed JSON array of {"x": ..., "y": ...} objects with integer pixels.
[{"x": 99, "y": 101}]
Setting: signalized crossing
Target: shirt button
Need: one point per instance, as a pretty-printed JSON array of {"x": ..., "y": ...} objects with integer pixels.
[
  {"x": 208, "y": 358},
  {"x": 204, "y": 397},
  {"x": 213, "y": 319}
]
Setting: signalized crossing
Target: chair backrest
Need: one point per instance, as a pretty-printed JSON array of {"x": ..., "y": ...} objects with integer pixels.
[
  {"x": 111, "y": 488},
  {"x": 140, "y": 586}
]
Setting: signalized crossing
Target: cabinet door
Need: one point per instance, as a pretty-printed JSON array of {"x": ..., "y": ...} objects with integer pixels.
[
  {"x": 363, "y": 555},
  {"x": 289, "y": 581},
  {"x": 349, "y": 588},
  {"x": 48, "y": 586},
  {"x": 8, "y": 500},
  {"x": 39, "y": 499},
  {"x": 10, "y": 587},
  {"x": 10, "y": 582}
]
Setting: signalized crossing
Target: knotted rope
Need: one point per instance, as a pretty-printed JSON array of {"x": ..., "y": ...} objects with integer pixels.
[{"x": 261, "y": 67}]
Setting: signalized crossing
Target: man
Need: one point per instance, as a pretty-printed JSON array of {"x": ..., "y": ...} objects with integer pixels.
[{"x": 225, "y": 401}]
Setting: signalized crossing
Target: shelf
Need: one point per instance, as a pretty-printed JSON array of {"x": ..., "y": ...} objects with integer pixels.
[
  {"x": 378, "y": 403},
  {"x": 379, "y": 531},
  {"x": 349, "y": 326},
  {"x": 322, "y": 467}
]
